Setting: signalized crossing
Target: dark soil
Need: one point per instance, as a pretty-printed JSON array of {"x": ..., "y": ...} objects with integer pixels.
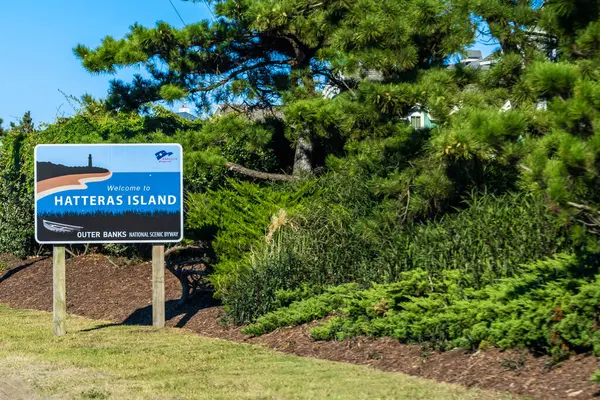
[{"x": 98, "y": 288}]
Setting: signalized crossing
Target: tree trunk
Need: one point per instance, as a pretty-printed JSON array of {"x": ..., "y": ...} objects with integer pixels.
[
  {"x": 304, "y": 146},
  {"x": 303, "y": 158}
]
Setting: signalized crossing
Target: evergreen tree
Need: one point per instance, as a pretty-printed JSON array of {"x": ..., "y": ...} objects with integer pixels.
[
  {"x": 25, "y": 124},
  {"x": 574, "y": 23},
  {"x": 510, "y": 23},
  {"x": 16, "y": 190},
  {"x": 267, "y": 52}
]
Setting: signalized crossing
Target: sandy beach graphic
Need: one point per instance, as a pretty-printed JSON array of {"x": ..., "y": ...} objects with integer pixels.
[{"x": 68, "y": 182}]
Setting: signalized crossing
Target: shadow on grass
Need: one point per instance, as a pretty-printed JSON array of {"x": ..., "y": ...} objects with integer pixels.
[
  {"x": 143, "y": 316},
  {"x": 20, "y": 268}
]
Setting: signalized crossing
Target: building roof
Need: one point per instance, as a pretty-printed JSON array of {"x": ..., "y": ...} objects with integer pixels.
[
  {"x": 188, "y": 116},
  {"x": 474, "y": 59},
  {"x": 476, "y": 54},
  {"x": 374, "y": 75},
  {"x": 253, "y": 114},
  {"x": 185, "y": 112}
]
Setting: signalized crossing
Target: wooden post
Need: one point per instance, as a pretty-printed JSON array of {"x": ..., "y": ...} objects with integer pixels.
[
  {"x": 59, "y": 286},
  {"x": 158, "y": 286}
]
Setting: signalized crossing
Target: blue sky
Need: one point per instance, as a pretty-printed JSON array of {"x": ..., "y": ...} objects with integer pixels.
[
  {"x": 36, "y": 42},
  {"x": 37, "y": 38}
]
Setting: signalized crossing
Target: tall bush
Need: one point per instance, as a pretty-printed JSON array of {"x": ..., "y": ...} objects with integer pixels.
[
  {"x": 16, "y": 194},
  {"x": 239, "y": 218},
  {"x": 328, "y": 245}
]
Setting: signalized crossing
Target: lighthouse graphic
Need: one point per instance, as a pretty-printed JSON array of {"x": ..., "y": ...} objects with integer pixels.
[{"x": 65, "y": 228}]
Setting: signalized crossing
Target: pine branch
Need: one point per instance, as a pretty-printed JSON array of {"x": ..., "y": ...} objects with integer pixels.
[
  {"x": 526, "y": 168},
  {"x": 177, "y": 249},
  {"x": 235, "y": 74},
  {"x": 582, "y": 207},
  {"x": 266, "y": 176}
]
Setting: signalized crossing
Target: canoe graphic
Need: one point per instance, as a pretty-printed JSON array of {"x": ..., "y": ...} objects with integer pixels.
[{"x": 61, "y": 228}]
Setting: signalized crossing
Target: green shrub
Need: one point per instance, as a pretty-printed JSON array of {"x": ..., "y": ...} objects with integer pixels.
[
  {"x": 227, "y": 138},
  {"x": 16, "y": 194},
  {"x": 332, "y": 244},
  {"x": 488, "y": 240},
  {"x": 241, "y": 217},
  {"x": 551, "y": 307},
  {"x": 299, "y": 312}
]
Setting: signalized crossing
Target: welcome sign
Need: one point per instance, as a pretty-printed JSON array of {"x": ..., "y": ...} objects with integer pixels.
[{"x": 113, "y": 193}]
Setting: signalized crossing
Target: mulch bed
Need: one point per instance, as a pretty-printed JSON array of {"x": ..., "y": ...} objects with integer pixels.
[{"x": 100, "y": 289}]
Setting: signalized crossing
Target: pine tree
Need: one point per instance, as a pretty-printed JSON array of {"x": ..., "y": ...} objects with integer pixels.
[
  {"x": 571, "y": 21},
  {"x": 507, "y": 22},
  {"x": 268, "y": 53},
  {"x": 263, "y": 53},
  {"x": 547, "y": 141},
  {"x": 25, "y": 124}
]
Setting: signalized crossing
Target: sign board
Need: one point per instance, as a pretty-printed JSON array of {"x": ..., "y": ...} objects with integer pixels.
[{"x": 108, "y": 193}]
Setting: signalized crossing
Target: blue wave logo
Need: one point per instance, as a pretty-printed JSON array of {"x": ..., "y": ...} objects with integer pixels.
[{"x": 162, "y": 154}]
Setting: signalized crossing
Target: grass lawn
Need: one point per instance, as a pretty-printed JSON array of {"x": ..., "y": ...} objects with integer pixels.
[{"x": 131, "y": 362}]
